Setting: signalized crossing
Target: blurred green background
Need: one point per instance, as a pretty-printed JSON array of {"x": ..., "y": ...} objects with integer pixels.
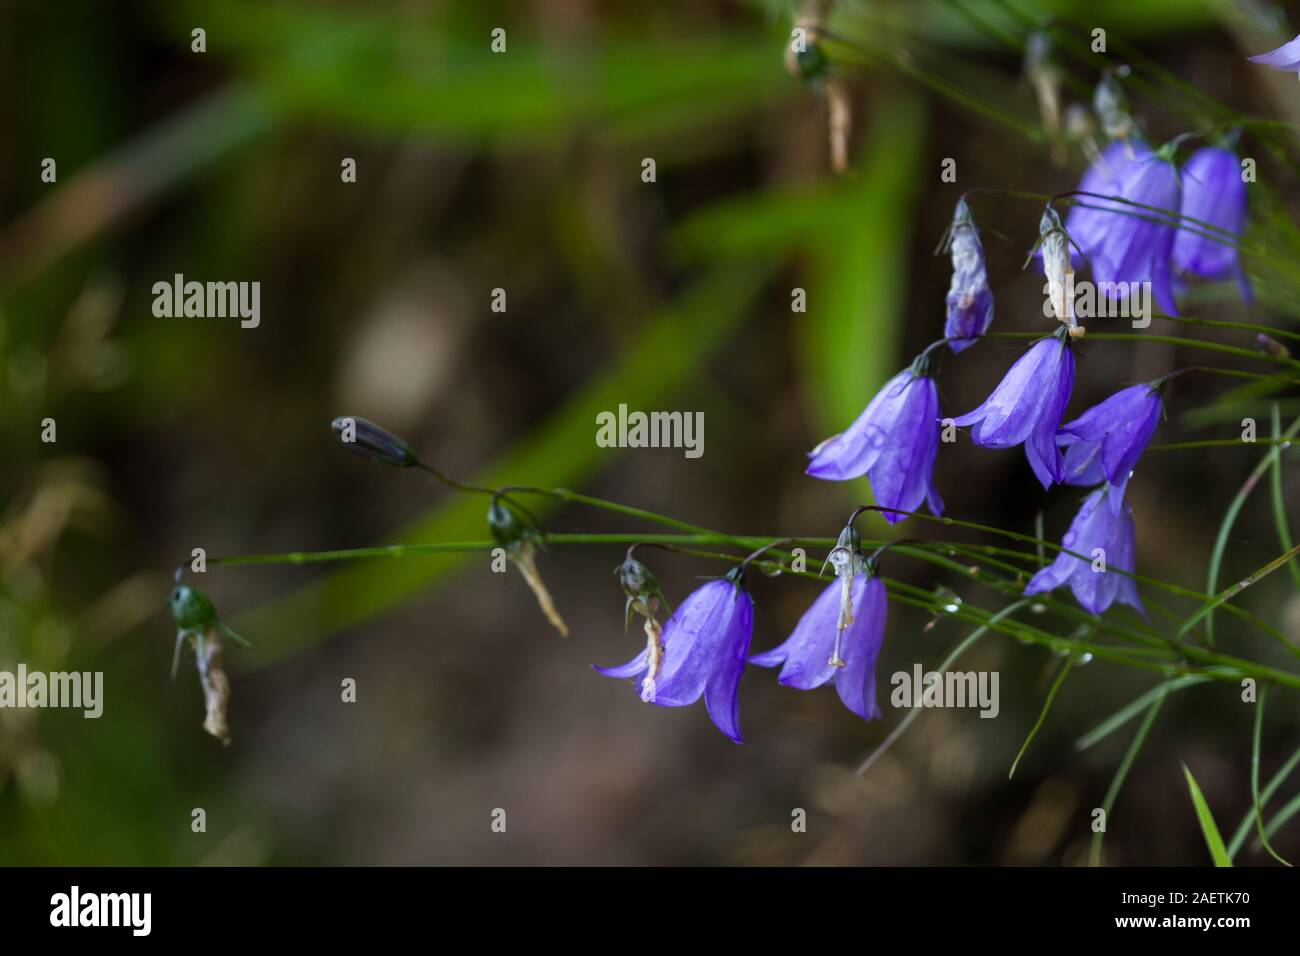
[{"x": 522, "y": 171}]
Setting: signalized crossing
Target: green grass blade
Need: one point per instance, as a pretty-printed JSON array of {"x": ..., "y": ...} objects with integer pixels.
[
  {"x": 1254, "y": 777},
  {"x": 1291, "y": 808},
  {"x": 1279, "y": 501},
  {"x": 1122, "y": 716},
  {"x": 1243, "y": 828},
  {"x": 1218, "y": 852},
  {"x": 1225, "y": 528},
  {"x": 1047, "y": 705}
]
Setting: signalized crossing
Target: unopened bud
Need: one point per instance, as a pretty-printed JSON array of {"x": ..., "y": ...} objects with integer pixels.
[{"x": 365, "y": 438}]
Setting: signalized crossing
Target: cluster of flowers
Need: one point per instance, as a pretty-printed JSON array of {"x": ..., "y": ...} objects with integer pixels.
[{"x": 1139, "y": 220}]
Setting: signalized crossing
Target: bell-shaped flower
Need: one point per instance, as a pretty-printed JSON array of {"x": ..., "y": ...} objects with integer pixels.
[
  {"x": 1027, "y": 405},
  {"x": 1286, "y": 57},
  {"x": 818, "y": 652},
  {"x": 1214, "y": 196},
  {"x": 894, "y": 442},
  {"x": 1104, "y": 443},
  {"x": 705, "y": 643},
  {"x": 1136, "y": 239},
  {"x": 1104, "y": 538},
  {"x": 1089, "y": 219},
  {"x": 970, "y": 300}
]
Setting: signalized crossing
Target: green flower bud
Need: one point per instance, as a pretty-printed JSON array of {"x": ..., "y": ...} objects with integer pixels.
[{"x": 192, "y": 610}]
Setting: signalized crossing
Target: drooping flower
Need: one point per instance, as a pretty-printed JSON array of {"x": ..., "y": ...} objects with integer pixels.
[
  {"x": 807, "y": 658},
  {"x": 1105, "y": 442},
  {"x": 518, "y": 534},
  {"x": 1214, "y": 194},
  {"x": 1105, "y": 537},
  {"x": 970, "y": 300},
  {"x": 1058, "y": 269},
  {"x": 644, "y": 597},
  {"x": 705, "y": 643},
  {"x": 1087, "y": 224},
  {"x": 1027, "y": 405},
  {"x": 1286, "y": 57},
  {"x": 894, "y": 442},
  {"x": 1133, "y": 242},
  {"x": 198, "y": 626}
]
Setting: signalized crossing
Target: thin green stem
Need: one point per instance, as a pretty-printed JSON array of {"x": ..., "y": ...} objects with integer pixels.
[
  {"x": 1243, "y": 828},
  {"x": 1221, "y": 542},
  {"x": 1279, "y": 499},
  {"x": 1094, "y": 855},
  {"x": 1254, "y": 776},
  {"x": 1042, "y": 716}
]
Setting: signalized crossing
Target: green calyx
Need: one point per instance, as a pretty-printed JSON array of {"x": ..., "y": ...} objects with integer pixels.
[{"x": 191, "y": 609}]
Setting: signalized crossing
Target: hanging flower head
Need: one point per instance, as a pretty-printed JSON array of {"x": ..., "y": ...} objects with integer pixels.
[
  {"x": 1088, "y": 220},
  {"x": 1027, "y": 405},
  {"x": 198, "y": 626},
  {"x": 838, "y": 639},
  {"x": 519, "y": 534},
  {"x": 644, "y": 597},
  {"x": 705, "y": 643},
  {"x": 1104, "y": 535},
  {"x": 970, "y": 300},
  {"x": 1058, "y": 269},
  {"x": 894, "y": 441},
  {"x": 1105, "y": 442},
  {"x": 1136, "y": 239},
  {"x": 1214, "y": 194}
]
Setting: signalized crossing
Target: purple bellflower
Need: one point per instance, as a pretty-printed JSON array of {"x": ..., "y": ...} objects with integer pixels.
[
  {"x": 1027, "y": 405},
  {"x": 1134, "y": 244},
  {"x": 705, "y": 643},
  {"x": 1105, "y": 537},
  {"x": 1214, "y": 194},
  {"x": 1088, "y": 226},
  {"x": 1104, "y": 443},
  {"x": 970, "y": 300},
  {"x": 806, "y": 658},
  {"x": 894, "y": 441},
  {"x": 1286, "y": 57},
  {"x": 838, "y": 638}
]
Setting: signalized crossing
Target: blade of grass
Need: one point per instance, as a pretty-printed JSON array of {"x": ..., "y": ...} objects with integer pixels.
[
  {"x": 1279, "y": 501},
  {"x": 1225, "y": 528},
  {"x": 1218, "y": 852},
  {"x": 1128, "y": 712},
  {"x": 1254, "y": 776},
  {"x": 1243, "y": 828},
  {"x": 1047, "y": 705}
]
